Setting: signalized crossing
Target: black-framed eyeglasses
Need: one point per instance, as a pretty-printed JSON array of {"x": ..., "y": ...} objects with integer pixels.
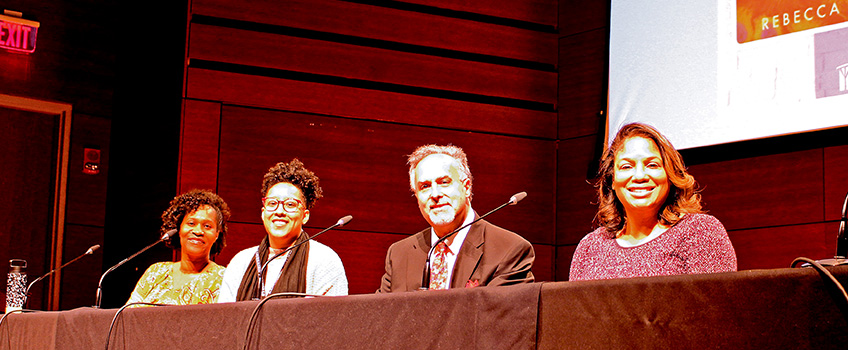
[{"x": 290, "y": 205}]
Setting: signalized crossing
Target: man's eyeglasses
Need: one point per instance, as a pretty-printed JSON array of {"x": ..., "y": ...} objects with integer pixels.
[{"x": 290, "y": 205}]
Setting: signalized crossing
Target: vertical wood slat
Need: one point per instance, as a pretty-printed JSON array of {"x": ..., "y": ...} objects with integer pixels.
[
  {"x": 835, "y": 181},
  {"x": 392, "y": 25},
  {"x": 582, "y": 87},
  {"x": 198, "y": 166},
  {"x": 543, "y": 265},
  {"x": 245, "y": 47},
  {"x": 578, "y": 16},
  {"x": 564, "y": 255},
  {"x": 575, "y": 196},
  {"x": 581, "y": 95}
]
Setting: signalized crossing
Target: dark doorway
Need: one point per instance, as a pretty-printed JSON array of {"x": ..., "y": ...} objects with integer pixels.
[{"x": 28, "y": 146}]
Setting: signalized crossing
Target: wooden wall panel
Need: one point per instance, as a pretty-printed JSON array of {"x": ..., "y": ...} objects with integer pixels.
[
  {"x": 564, "y": 254},
  {"x": 776, "y": 247},
  {"x": 269, "y": 50},
  {"x": 382, "y": 23},
  {"x": 575, "y": 190},
  {"x": 771, "y": 190},
  {"x": 582, "y": 83},
  {"x": 582, "y": 47},
  {"x": 284, "y": 94},
  {"x": 578, "y": 16},
  {"x": 536, "y": 11},
  {"x": 831, "y": 230},
  {"x": 543, "y": 265},
  {"x": 79, "y": 280},
  {"x": 363, "y": 172},
  {"x": 241, "y": 236},
  {"x": 363, "y": 255},
  {"x": 835, "y": 181},
  {"x": 200, "y": 129},
  {"x": 350, "y": 88}
]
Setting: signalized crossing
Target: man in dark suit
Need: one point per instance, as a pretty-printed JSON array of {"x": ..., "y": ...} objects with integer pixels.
[{"x": 479, "y": 255}]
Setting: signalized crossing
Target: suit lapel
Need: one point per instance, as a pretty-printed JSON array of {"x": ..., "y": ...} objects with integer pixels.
[
  {"x": 417, "y": 260},
  {"x": 469, "y": 255}
]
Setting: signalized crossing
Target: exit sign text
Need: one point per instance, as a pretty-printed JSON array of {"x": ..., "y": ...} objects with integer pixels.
[{"x": 18, "y": 34}]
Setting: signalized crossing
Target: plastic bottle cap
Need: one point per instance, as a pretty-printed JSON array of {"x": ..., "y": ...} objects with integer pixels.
[{"x": 17, "y": 265}]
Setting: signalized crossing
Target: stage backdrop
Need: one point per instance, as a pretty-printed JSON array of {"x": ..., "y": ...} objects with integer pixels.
[{"x": 350, "y": 88}]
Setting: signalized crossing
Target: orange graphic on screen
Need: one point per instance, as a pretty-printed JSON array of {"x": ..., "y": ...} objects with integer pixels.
[{"x": 761, "y": 19}]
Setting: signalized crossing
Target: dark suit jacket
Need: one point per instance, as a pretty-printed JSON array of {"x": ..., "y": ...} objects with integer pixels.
[{"x": 490, "y": 256}]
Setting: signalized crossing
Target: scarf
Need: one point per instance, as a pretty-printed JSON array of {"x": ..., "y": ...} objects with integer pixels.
[{"x": 292, "y": 276}]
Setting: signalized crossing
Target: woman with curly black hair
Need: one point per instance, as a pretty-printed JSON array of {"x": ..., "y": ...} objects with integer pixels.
[
  {"x": 201, "y": 218},
  {"x": 289, "y": 192}
]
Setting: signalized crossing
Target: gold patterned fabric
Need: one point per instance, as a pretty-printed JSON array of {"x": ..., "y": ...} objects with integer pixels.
[
  {"x": 157, "y": 285},
  {"x": 439, "y": 272}
]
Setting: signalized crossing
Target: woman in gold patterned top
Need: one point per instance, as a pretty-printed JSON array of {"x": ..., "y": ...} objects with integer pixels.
[{"x": 201, "y": 217}]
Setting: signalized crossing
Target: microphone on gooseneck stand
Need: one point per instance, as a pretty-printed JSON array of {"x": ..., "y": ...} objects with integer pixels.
[
  {"x": 88, "y": 252},
  {"x": 841, "y": 257},
  {"x": 343, "y": 221},
  {"x": 166, "y": 236},
  {"x": 842, "y": 238},
  {"x": 425, "y": 279}
]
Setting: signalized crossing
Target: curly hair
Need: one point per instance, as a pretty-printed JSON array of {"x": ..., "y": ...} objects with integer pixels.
[
  {"x": 296, "y": 174},
  {"x": 187, "y": 203},
  {"x": 427, "y": 150},
  {"x": 683, "y": 196}
]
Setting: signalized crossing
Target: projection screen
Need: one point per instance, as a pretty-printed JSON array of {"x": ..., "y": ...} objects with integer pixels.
[{"x": 714, "y": 72}]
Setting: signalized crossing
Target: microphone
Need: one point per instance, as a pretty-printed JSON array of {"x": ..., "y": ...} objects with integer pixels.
[
  {"x": 425, "y": 280},
  {"x": 88, "y": 252},
  {"x": 166, "y": 236},
  {"x": 841, "y": 257},
  {"x": 343, "y": 221},
  {"x": 841, "y": 237}
]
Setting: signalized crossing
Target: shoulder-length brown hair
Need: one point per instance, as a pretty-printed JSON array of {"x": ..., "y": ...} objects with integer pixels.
[{"x": 683, "y": 196}]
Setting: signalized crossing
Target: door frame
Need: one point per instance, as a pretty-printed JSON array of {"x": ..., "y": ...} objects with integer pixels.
[{"x": 57, "y": 235}]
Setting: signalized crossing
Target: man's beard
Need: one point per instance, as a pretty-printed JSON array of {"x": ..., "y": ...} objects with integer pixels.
[{"x": 443, "y": 217}]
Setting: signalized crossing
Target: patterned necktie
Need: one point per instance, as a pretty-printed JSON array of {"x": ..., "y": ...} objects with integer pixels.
[{"x": 439, "y": 272}]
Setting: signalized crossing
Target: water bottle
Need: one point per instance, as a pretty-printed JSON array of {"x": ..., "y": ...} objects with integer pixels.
[{"x": 16, "y": 282}]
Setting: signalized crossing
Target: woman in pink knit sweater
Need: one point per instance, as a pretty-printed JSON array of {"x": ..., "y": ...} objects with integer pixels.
[{"x": 649, "y": 219}]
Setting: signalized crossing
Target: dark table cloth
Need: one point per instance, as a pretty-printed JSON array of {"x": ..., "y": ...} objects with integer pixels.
[{"x": 759, "y": 309}]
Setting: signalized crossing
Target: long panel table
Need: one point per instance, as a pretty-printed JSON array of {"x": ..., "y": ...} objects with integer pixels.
[{"x": 759, "y": 309}]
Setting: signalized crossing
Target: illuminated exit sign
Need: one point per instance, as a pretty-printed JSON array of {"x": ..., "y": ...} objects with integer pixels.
[{"x": 17, "y": 34}]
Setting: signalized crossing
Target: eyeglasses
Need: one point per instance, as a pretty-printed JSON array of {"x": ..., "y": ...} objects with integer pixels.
[{"x": 290, "y": 205}]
